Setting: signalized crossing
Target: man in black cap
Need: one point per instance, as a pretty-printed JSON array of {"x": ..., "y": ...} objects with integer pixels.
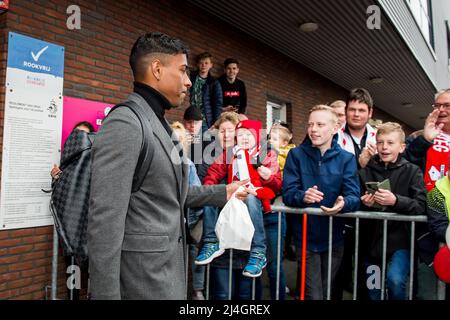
[
  {"x": 198, "y": 141},
  {"x": 193, "y": 121}
]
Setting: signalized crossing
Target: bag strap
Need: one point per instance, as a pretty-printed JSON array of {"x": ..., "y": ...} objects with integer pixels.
[{"x": 146, "y": 153}]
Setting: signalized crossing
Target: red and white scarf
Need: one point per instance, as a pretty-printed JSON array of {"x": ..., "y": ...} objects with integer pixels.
[
  {"x": 345, "y": 140},
  {"x": 437, "y": 160}
]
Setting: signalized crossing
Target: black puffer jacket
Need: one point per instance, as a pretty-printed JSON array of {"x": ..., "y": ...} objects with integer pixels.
[{"x": 407, "y": 185}]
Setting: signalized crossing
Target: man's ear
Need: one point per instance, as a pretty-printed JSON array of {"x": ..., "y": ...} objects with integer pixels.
[
  {"x": 403, "y": 147},
  {"x": 335, "y": 128},
  {"x": 370, "y": 112},
  {"x": 156, "y": 69}
]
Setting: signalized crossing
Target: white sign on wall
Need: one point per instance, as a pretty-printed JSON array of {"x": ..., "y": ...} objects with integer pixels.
[{"x": 32, "y": 130}]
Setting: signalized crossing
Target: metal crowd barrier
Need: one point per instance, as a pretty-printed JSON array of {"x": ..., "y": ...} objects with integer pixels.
[
  {"x": 357, "y": 215},
  {"x": 280, "y": 207},
  {"x": 54, "y": 287}
]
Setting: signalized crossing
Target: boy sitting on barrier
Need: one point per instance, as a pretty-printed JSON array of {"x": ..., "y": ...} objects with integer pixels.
[
  {"x": 319, "y": 174},
  {"x": 407, "y": 195}
]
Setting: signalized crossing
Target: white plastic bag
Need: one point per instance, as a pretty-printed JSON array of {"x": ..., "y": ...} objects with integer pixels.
[{"x": 234, "y": 228}]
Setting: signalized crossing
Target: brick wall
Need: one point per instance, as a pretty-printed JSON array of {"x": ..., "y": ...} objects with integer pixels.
[
  {"x": 25, "y": 263},
  {"x": 96, "y": 68}
]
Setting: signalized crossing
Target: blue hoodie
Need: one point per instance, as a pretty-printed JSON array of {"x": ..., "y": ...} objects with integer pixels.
[{"x": 335, "y": 174}]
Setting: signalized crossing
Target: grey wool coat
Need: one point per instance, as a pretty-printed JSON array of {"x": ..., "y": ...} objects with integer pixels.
[{"x": 136, "y": 241}]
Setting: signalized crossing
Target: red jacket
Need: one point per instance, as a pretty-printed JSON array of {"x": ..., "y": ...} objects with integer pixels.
[{"x": 220, "y": 169}]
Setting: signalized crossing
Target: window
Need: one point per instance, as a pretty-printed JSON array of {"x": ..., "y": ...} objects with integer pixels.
[
  {"x": 421, "y": 10},
  {"x": 275, "y": 112}
]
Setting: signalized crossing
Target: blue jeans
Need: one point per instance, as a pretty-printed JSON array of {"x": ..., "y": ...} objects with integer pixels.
[
  {"x": 210, "y": 215},
  {"x": 241, "y": 287},
  {"x": 271, "y": 227},
  {"x": 198, "y": 272},
  {"x": 396, "y": 277},
  {"x": 194, "y": 214}
]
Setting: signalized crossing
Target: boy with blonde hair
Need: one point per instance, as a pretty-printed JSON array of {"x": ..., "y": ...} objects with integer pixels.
[
  {"x": 339, "y": 108},
  {"x": 406, "y": 195},
  {"x": 320, "y": 174}
]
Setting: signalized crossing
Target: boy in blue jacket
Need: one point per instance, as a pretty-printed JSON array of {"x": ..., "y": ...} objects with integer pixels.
[{"x": 319, "y": 174}]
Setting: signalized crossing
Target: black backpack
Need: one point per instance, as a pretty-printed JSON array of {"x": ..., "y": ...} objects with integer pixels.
[{"x": 69, "y": 202}]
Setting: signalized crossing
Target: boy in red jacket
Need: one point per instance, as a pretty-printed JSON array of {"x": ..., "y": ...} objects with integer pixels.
[{"x": 265, "y": 177}]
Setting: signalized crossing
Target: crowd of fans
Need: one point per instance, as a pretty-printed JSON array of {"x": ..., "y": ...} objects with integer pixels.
[{"x": 335, "y": 168}]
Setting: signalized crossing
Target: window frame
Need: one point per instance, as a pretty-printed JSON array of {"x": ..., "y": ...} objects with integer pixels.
[
  {"x": 270, "y": 105},
  {"x": 417, "y": 16}
]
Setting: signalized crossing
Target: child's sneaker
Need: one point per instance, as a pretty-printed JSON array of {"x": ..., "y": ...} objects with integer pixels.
[
  {"x": 208, "y": 252},
  {"x": 255, "y": 264}
]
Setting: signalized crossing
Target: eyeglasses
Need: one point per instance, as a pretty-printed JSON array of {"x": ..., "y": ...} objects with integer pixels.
[{"x": 446, "y": 106}]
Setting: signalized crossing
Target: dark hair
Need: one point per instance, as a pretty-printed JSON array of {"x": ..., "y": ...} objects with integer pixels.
[
  {"x": 192, "y": 113},
  {"x": 153, "y": 43},
  {"x": 229, "y": 61},
  {"x": 86, "y": 124},
  {"x": 203, "y": 55},
  {"x": 360, "y": 95}
]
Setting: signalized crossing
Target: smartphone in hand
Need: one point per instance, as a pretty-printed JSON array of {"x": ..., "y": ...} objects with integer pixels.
[{"x": 371, "y": 187}]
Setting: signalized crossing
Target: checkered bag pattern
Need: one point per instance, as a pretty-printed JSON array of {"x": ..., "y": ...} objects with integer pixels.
[{"x": 70, "y": 195}]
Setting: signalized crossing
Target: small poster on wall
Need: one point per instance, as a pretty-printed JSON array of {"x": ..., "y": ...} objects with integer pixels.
[{"x": 32, "y": 130}]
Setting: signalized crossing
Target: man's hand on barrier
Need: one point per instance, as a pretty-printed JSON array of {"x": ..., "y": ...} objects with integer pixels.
[
  {"x": 385, "y": 197},
  {"x": 313, "y": 195},
  {"x": 338, "y": 206},
  {"x": 368, "y": 199},
  {"x": 232, "y": 187}
]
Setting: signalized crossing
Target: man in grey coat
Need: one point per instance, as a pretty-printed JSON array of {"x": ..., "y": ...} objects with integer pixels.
[{"x": 136, "y": 240}]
